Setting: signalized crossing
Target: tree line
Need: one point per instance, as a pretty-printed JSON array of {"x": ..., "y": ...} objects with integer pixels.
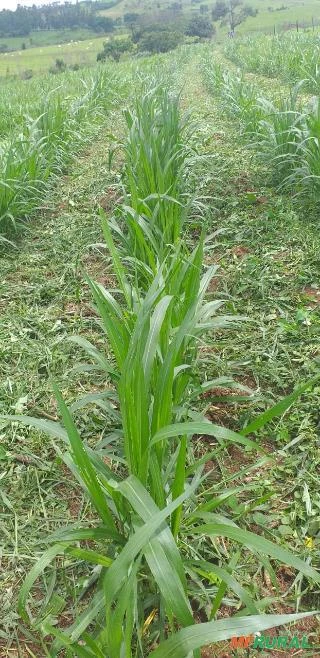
[{"x": 24, "y": 20}]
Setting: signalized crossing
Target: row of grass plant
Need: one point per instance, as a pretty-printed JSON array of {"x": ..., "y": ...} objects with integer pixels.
[
  {"x": 284, "y": 132},
  {"x": 151, "y": 543},
  {"x": 291, "y": 57},
  {"x": 32, "y": 159}
]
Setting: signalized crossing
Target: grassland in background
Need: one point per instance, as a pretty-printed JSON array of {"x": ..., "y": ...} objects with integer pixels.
[
  {"x": 81, "y": 47},
  {"x": 296, "y": 10},
  {"x": 41, "y": 58},
  {"x": 47, "y": 38}
]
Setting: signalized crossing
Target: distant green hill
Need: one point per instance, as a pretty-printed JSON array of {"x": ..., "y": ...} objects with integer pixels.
[{"x": 278, "y": 14}]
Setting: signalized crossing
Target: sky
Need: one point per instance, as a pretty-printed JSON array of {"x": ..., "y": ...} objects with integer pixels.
[{"x": 12, "y": 4}]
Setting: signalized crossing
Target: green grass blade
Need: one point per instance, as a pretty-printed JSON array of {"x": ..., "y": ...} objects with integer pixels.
[
  {"x": 189, "y": 639},
  {"x": 278, "y": 408},
  {"x": 46, "y": 558},
  {"x": 188, "y": 429},
  {"x": 258, "y": 543},
  {"x": 84, "y": 465}
]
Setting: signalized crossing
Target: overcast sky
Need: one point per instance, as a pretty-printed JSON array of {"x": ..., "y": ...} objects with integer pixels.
[{"x": 12, "y": 4}]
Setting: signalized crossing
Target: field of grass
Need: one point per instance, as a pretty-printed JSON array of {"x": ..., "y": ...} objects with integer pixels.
[
  {"x": 295, "y": 10},
  {"x": 47, "y": 38},
  {"x": 40, "y": 59},
  {"x": 170, "y": 244}
]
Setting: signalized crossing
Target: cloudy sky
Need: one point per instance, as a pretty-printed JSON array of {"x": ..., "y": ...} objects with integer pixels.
[{"x": 12, "y": 4}]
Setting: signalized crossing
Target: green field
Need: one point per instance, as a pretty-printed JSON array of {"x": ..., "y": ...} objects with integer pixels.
[
  {"x": 39, "y": 59},
  {"x": 296, "y": 11},
  {"x": 159, "y": 342},
  {"x": 46, "y": 38}
]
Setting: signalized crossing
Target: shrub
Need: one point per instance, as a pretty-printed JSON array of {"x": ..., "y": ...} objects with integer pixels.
[
  {"x": 114, "y": 49},
  {"x": 58, "y": 67},
  {"x": 199, "y": 26},
  {"x": 27, "y": 74},
  {"x": 219, "y": 10},
  {"x": 160, "y": 42}
]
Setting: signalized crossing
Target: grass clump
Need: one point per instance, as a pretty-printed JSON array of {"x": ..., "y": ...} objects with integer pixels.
[
  {"x": 32, "y": 159},
  {"x": 292, "y": 57},
  {"x": 284, "y": 132}
]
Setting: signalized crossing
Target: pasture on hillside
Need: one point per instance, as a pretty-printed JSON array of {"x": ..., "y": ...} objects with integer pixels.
[
  {"x": 271, "y": 14},
  {"x": 39, "y": 59},
  {"x": 160, "y": 370}
]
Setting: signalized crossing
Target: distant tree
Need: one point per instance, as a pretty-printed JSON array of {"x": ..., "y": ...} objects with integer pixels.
[
  {"x": 199, "y": 26},
  {"x": 204, "y": 9},
  {"x": 53, "y": 16},
  {"x": 176, "y": 7},
  {"x": 233, "y": 12},
  {"x": 160, "y": 41},
  {"x": 238, "y": 13},
  {"x": 219, "y": 10},
  {"x": 131, "y": 20},
  {"x": 101, "y": 24},
  {"x": 23, "y": 46},
  {"x": 151, "y": 26},
  {"x": 114, "y": 49}
]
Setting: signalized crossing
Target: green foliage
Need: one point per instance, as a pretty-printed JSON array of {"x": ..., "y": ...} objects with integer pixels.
[
  {"x": 32, "y": 158},
  {"x": 160, "y": 41},
  {"x": 114, "y": 48},
  {"x": 219, "y": 10},
  {"x": 131, "y": 19},
  {"x": 147, "y": 509},
  {"x": 27, "y": 74},
  {"x": 59, "y": 66},
  {"x": 199, "y": 26},
  {"x": 237, "y": 95},
  {"x": 155, "y": 167},
  {"x": 293, "y": 57},
  {"x": 284, "y": 133}
]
